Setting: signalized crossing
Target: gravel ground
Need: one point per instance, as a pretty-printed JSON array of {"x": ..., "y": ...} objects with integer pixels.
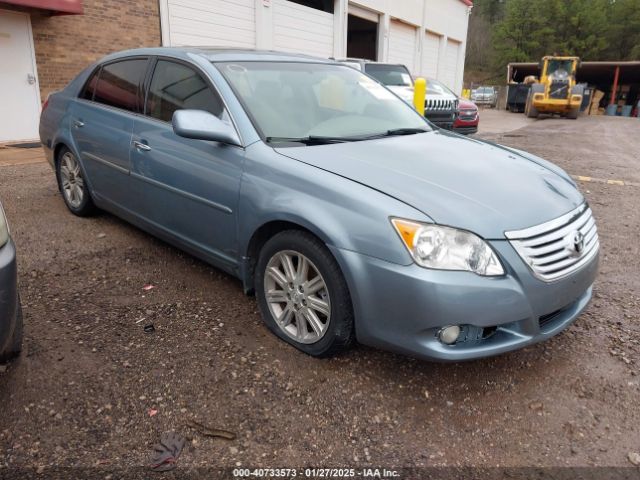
[{"x": 81, "y": 394}]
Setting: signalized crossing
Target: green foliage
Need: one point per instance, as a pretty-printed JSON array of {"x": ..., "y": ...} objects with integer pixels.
[{"x": 526, "y": 30}]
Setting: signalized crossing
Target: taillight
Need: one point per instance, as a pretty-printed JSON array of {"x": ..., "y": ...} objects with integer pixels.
[{"x": 45, "y": 104}]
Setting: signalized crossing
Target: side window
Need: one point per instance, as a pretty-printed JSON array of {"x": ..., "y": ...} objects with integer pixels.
[
  {"x": 174, "y": 87},
  {"x": 119, "y": 84},
  {"x": 90, "y": 87}
]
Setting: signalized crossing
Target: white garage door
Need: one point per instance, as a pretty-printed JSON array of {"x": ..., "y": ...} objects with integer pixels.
[
  {"x": 19, "y": 97},
  {"x": 430, "y": 55},
  {"x": 225, "y": 23},
  {"x": 451, "y": 64},
  {"x": 402, "y": 44},
  {"x": 297, "y": 28}
]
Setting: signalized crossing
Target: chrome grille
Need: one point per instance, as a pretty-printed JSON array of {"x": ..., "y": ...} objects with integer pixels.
[
  {"x": 438, "y": 104},
  {"x": 559, "y": 89},
  {"x": 558, "y": 248}
]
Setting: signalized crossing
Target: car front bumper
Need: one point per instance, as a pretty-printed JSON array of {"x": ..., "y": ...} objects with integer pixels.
[
  {"x": 403, "y": 307},
  {"x": 8, "y": 294},
  {"x": 441, "y": 118},
  {"x": 465, "y": 129}
]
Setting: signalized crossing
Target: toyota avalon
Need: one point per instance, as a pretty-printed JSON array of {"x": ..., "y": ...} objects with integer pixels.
[{"x": 330, "y": 198}]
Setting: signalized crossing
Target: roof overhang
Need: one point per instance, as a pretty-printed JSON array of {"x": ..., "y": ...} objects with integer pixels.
[
  {"x": 60, "y": 7},
  {"x": 591, "y": 72}
]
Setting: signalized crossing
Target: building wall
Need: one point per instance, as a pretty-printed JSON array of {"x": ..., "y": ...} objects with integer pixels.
[
  {"x": 283, "y": 25},
  {"x": 441, "y": 24},
  {"x": 66, "y": 44}
]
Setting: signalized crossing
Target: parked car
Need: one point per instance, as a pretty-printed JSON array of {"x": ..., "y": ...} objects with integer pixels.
[
  {"x": 485, "y": 96},
  {"x": 331, "y": 198},
  {"x": 441, "y": 104},
  {"x": 468, "y": 118},
  {"x": 10, "y": 310}
]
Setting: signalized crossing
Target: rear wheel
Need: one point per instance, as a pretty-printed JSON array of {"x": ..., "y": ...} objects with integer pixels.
[
  {"x": 72, "y": 184},
  {"x": 302, "y": 294},
  {"x": 573, "y": 114}
]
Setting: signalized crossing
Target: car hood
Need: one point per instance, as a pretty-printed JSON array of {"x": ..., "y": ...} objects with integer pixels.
[{"x": 465, "y": 183}]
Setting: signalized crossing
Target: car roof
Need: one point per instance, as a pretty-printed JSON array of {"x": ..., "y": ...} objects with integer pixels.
[{"x": 221, "y": 54}]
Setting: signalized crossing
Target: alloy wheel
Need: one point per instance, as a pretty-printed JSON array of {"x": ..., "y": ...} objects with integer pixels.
[
  {"x": 297, "y": 296},
  {"x": 71, "y": 180}
]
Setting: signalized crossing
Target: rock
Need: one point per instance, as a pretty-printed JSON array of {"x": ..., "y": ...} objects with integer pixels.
[
  {"x": 233, "y": 450},
  {"x": 536, "y": 406},
  {"x": 634, "y": 457},
  {"x": 102, "y": 235}
]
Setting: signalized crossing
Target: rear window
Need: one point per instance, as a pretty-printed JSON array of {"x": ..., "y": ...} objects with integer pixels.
[
  {"x": 390, "y": 75},
  {"x": 90, "y": 87},
  {"x": 120, "y": 84}
]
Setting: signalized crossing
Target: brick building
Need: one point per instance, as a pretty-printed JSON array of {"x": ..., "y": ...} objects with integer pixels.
[{"x": 47, "y": 42}]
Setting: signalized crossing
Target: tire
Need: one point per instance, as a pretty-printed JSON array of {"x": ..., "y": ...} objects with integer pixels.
[
  {"x": 529, "y": 110},
  {"x": 15, "y": 347},
  {"x": 72, "y": 184},
  {"x": 573, "y": 114},
  {"x": 302, "y": 304}
]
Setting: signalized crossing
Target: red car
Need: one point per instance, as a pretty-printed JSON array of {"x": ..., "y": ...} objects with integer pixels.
[{"x": 467, "y": 120}]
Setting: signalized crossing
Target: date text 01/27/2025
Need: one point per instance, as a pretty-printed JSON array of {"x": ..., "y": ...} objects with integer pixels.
[{"x": 314, "y": 473}]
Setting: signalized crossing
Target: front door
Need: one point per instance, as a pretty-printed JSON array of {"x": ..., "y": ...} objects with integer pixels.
[
  {"x": 187, "y": 188},
  {"x": 19, "y": 94}
]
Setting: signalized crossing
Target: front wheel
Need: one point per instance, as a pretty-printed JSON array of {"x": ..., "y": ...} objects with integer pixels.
[
  {"x": 529, "y": 110},
  {"x": 72, "y": 184},
  {"x": 302, "y": 294},
  {"x": 573, "y": 114}
]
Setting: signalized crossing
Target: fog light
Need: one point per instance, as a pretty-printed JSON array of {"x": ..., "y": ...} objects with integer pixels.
[{"x": 449, "y": 335}]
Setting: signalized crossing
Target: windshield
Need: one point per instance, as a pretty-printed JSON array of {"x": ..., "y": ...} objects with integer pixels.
[
  {"x": 390, "y": 75},
  {"x": 560, "y": 68},
  {"x": 434, "y": 87},
  {"x": 297, "y": 100}
]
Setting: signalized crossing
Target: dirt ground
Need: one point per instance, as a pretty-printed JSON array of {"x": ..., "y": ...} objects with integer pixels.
[{"x": 81, "y": 394}]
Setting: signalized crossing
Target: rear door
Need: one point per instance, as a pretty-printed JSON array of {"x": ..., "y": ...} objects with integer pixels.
[
  {"x": 186, "y": 188},
  {"x": 102, "y": 125}
]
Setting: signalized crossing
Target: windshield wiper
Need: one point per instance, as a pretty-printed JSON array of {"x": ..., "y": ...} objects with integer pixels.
[
  {"x": 397, "y": 132},
  {"x": 320, "y": 140},
  {"x": 310, "y": 140},
  {"x": 404, "y": 131}
]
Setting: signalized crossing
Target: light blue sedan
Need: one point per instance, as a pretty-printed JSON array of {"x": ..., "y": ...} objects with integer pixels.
[{"x": 347, "y": 213}]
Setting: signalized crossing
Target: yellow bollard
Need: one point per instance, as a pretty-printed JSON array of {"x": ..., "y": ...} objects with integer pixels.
[{"x": 419, "y": 95}]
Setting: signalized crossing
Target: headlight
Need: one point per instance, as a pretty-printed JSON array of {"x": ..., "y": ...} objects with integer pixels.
[
  {"x": 445, "y": 248},
  {"x": 4, "y": 228}
]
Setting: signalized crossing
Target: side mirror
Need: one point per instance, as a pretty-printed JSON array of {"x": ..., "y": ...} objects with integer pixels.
[{"x": 201, "y": 125}]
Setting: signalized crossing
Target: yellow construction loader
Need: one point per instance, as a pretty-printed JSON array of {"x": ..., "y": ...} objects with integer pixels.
[{"x": 556, "y": 91}]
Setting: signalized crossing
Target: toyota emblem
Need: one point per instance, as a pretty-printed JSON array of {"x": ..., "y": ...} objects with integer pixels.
[{"x": 576, "y": 243}]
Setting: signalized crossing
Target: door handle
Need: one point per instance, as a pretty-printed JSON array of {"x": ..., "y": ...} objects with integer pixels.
[
  {"x": 78, "y": 123},
  {"x": 141, "y": 146}
]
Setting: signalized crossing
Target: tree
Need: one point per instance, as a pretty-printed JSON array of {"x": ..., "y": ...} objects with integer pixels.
[
  {"x": 503, "y": 31},
  {"x": 623, "y": 30}
]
